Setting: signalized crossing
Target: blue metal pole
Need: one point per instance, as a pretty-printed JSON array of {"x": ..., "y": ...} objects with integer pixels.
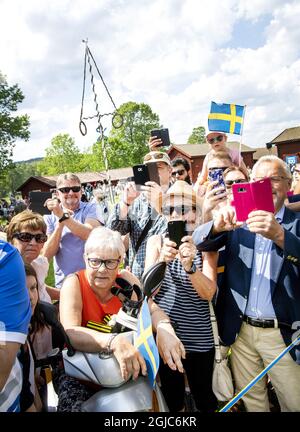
[{"x": 256, "y": 379}]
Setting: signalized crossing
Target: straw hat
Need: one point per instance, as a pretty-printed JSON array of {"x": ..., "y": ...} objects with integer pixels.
[{"x": 183, "y": 190}]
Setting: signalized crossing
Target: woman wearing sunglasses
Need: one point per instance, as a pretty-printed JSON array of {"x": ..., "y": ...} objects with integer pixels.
[
  {"x": 27, "y": 232},
  {"x": 217, "y": 142},
  {"x": 189, "y": 283}
]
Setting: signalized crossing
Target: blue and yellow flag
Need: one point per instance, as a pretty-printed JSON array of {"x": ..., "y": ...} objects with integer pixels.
[
  {"x": 226, "y": 118},
  {"x": 145, "y": 342}
]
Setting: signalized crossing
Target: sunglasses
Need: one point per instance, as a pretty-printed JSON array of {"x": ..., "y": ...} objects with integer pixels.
[
  {"x": 158, "y": 156},
  {"x": 179, "y": 172},
  {"x": 218, "y": 138},
  {"x": 110, "y": 264},
  {"x": 181, "y": 209},
  {"x": 27, "y": 237},
  {"x": 68, "y": 189},
  {"x": 229, "y": 183}
]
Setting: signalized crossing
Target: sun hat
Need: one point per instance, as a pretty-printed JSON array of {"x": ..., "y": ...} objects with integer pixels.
[{"x": 183, "y": 190}]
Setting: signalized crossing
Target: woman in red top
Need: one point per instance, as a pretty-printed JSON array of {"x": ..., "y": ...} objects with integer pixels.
[{"x": 86, "y": 296}]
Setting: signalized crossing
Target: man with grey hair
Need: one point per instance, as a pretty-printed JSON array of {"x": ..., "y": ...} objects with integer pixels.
[
  {"x": 258, "y": 303},
  {"x": 68, "y": 226}
]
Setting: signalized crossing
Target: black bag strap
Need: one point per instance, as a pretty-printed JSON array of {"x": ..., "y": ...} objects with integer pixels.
[
  {"x": 143, "y": 234},
  {"x": 141, "y": 239}
]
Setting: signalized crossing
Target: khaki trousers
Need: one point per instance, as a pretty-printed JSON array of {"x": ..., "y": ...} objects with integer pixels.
[{"x": 254, "y": 349}]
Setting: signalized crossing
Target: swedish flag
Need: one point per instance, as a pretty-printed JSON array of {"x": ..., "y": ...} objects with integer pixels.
[
  {"x": 226, "y": 118},
  {"x": 145, "y": 342}
]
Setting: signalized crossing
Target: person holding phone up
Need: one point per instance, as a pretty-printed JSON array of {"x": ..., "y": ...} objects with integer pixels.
[
  {"x": 68, "y": 227},
  {"x": 189, "y": 284},
  {"x": 258, "y": 302}
]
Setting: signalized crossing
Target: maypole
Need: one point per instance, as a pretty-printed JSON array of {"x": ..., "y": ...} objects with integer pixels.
[{"x": 117, "y": 119}]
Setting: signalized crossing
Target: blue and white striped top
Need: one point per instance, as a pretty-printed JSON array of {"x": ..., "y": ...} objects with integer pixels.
[{"x": 187, "y": 311}]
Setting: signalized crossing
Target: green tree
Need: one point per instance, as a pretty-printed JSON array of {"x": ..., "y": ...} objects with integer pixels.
[
  {"x": 127, "y": 145},
  {"x": 197, "y": 136},
  {"x": 62, "y": 156},
  {"x": 12, "y": 127}
]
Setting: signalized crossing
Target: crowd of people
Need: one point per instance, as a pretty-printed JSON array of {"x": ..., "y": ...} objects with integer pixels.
[{"x": 249, "y": 270}]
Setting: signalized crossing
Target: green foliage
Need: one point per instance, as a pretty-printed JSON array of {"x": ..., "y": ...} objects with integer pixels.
[
  {"x": 197, "y": 136},
  {"x": 62, "y": 156},
  {"x": 11, "y": 126},
  {"x": 127, "y": 145},
  {"x": 17, "y": 174}
]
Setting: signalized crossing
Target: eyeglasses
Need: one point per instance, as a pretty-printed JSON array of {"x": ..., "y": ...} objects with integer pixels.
[
  {"x": 110, "y": 264},
  {"x": 27, "y": 237},
  {"x": 229, "y": 183},
  {"x": 179, "y": 172},
  {"x": 181, "y": 209},
  {"x": 217, "y": 168},
  {"x": 68, "y": 189},
  {"x": 218, "y": 138},
  {"x": 274, "y": 179}
]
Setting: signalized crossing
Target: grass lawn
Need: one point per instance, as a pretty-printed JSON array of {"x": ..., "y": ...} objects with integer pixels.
[{"x": 50, "y": 278}]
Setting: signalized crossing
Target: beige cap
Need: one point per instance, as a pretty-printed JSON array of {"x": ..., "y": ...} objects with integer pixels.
[
  {"x": 156, "y": 156},
  {"x": 185, "y": 191}
]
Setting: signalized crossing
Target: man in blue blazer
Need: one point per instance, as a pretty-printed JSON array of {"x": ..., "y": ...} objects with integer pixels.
[{"x": 258, "y": 302}]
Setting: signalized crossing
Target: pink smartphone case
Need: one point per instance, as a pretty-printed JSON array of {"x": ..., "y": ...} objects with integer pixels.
[{"x": 248, "y": 197}]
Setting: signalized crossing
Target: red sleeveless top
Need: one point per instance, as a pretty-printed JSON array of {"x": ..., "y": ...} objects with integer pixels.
[{"x": 92, "y": 308}]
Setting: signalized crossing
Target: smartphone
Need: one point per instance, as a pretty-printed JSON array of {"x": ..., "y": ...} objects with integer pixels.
[
  {"x": 163, "y": 134},
  {"x": 177, "y": 230},
  {"x": 217, "y": 175},
  {"x": 144, "y": 173},
  {"x": 248, "y": 197},
  {"x": 37, "y": 200}
]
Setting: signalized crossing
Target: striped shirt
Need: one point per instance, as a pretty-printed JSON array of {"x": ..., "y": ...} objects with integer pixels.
[{"x": 187, "y": 311}]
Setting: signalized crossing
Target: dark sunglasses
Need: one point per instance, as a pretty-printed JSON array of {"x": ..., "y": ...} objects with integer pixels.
[
  {"x": 27, "y": 237},
  {"x": 229, "y": 183},
  {"x": 68, "y": 189},
  {"x": 218, "y": 138},
  {"x": 110, "y": 264},
  {"x": 181, "y": 209},
  {"x": 179, "y": 172}
]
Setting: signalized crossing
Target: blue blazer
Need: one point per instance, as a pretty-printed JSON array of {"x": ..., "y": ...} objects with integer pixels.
[{"x": 234, "y": 289}]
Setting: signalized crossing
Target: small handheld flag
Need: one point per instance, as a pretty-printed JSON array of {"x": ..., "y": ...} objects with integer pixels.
[
  {"x": 226, "y": 118},
  {"x": 145, "y": 342}
]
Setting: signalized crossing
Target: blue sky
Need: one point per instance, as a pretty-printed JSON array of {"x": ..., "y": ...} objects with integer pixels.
[{"x": 175, "y": 55}]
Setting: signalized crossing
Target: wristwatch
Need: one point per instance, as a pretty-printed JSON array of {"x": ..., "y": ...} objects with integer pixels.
[
  {"x": 64, "y": 217},
  {"x": 192, "y": 269}
]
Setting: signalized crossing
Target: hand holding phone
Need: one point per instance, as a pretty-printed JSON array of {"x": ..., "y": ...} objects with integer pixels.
[
  {"x": 37, "y": 201},
  {"x": 144, "y": 173},
  {"x": 248, "y": 197},
  {"x": 217, "y": 175},
  {"x": 176, "y": 231},
  {"x": 163, "y": 135}
]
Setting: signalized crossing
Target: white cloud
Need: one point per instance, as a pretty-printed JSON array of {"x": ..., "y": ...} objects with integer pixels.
[{"x": 175, "y": 55}]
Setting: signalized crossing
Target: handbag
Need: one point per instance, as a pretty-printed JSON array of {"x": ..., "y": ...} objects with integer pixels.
[{"x": 222, "y": 383}]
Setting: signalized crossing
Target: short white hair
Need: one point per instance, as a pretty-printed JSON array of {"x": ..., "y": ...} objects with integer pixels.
[
  {"x": 271, "y": 159},
  {"x": 105, "y": 238}
]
